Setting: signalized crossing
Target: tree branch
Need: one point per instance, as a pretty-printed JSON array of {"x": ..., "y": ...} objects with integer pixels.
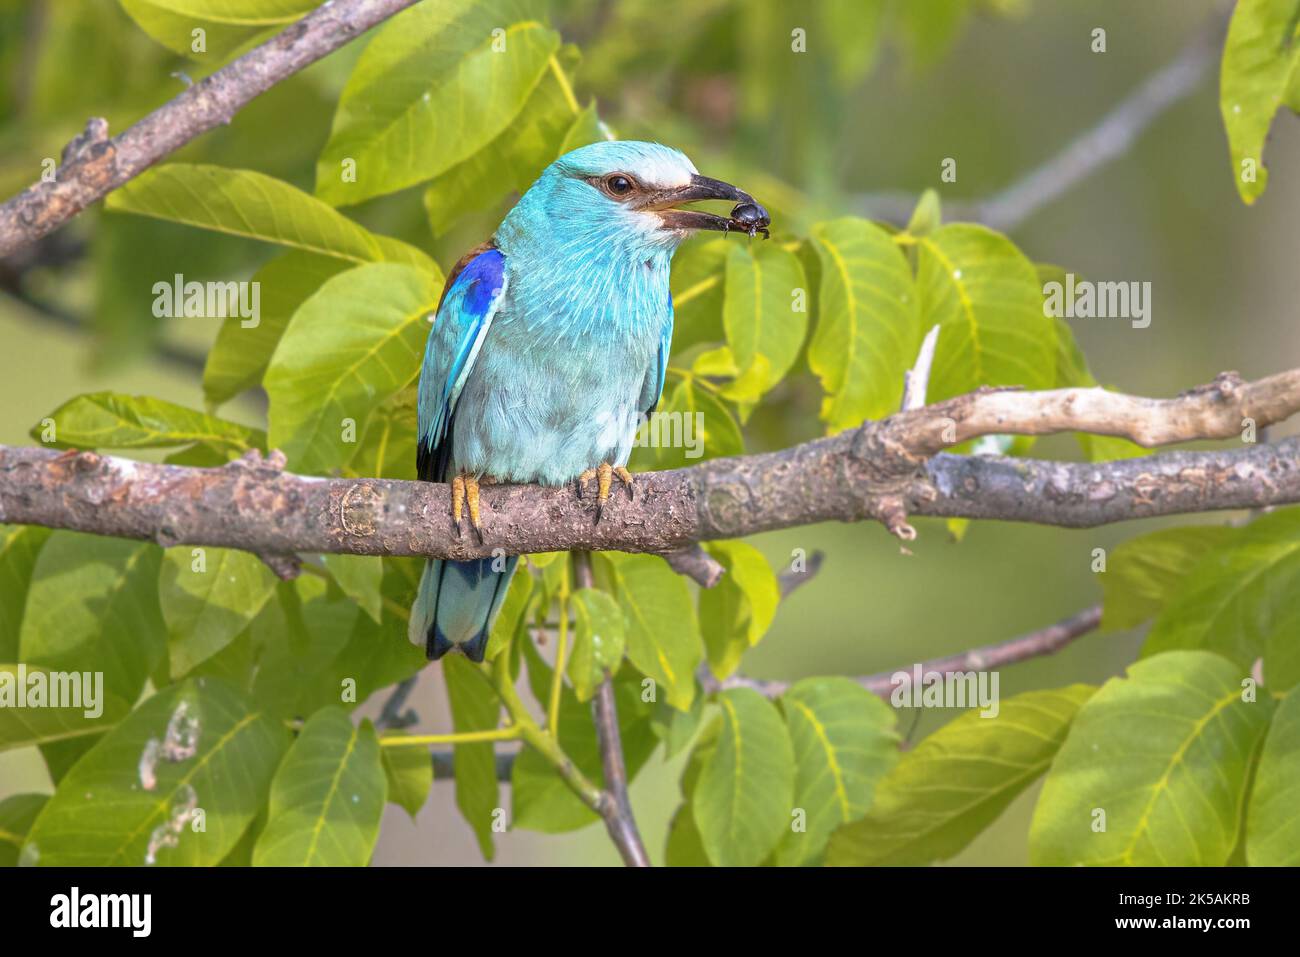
[
  {"x": 885, "y": 471},
  {"x": 619, "y": 819},
  {"x": 1109, "y": 139},
  {"x": 1035, "y": 644},
  {"x": 93, "y": 165}
]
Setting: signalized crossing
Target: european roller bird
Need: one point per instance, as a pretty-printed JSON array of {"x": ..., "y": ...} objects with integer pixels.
[{"x": 549, "y": 344}]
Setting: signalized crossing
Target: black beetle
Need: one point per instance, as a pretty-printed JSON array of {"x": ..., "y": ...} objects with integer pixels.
[{"x": 752, "y": 218}]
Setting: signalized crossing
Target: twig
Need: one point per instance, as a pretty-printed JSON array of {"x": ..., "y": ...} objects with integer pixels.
[
  {"x": 884, "y": 471},
  {"x": 1110, "y": 138},
  {"x": 1035, "y": 644},
  {"x": 697, "y": 564},
  {"x": 392, "y": 716},
  {"x": 94, "y": 165},
  {"x": 619, "y": 819},
  {"x": 916, "y": 380},
  {"x": 444, "y": 764},
  {"x": 789, "y": 579},
  {"x": 1105, "y": 142}
]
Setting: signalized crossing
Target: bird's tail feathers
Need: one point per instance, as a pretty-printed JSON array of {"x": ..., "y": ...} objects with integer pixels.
[{"x": 456, "y": 604}]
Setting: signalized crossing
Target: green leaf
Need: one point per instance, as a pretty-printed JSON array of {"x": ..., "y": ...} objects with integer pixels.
[
  {"x": 306, "y": 634},
  {"x": 326, "y": 798},
  {"x": 676, "y": 728},
  {"x": 242, "y": 202},
  {"x": 598, "y": 640},
  {"x": 245, "y": 12},
  {"x": 1259, "y": 75},
  {"x": 586, "y": 128},
  {"x": 19, "y": 546},
  {"x": 27, "y": 725},
  {"x": 474, "y": 707},
  {"x": 765, "y": 316},
  {"x": 353, "y": 344},
  {"x": 1164, "y": 754},
  {"x": 868, "y": 329},
  {"x": 106, "y": 813},
  {"x": 109, "y": 420},
  {"x": 239, "y": 356},
  {"x": 1273, "y": 820},
  {"x": 663, "y": 637},
  {"x": 514, "y": 159},
  {"x": 227, "y": 25},
  {"x": 957, "y": 781},
  {"x": 698, "y": 287},
  {"x": 387, "y": 445},
  {"x": 685, "y": 847},
  {"x": 361, "y": 577},
  {"x": 1144, "y": 573},
  {"x": 985, "y": 296},
  {"x": 737, "y": 611},
  {"x": 17, "y": 813},
  {"x": 409, "y": 771},
  {"x": 744, "y": 798},
  {"x": 434, "y": 86},
  {"x": 93, "y": 606},
  {"x": 540, "y": 799},
  {"x": 1243, "y": 600},
  {"x": 208, "y": 596},
  {"x": 690, "y": 426},
  {"x": 844, "y": 743},
  {"x": 927, "y": 216}
]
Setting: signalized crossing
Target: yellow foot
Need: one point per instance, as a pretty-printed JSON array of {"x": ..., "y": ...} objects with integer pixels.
[
  {"x": 604, "y": 475},
  {"x": 465, "y": 495}
]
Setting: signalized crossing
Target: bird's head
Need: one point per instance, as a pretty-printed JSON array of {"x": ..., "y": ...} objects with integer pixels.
[{"x": 629, "y": 195}]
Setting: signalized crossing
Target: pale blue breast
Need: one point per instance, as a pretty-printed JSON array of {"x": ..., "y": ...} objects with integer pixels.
[{"x": 557, "y": 384}]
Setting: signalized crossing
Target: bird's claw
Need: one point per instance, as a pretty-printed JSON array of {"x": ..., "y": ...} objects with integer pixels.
[
  {"x": 604, "y": 475},
  {"x": 465, "y": 497}
]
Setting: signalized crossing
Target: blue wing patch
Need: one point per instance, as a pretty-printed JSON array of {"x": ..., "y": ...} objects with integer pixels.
[{"x": 469, "y": 301}]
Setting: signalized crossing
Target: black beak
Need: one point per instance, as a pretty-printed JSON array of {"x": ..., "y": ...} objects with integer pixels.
[{"x": 747, "y": 216}]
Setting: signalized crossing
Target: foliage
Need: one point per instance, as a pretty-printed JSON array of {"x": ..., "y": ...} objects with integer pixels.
[{"x": 270, "y": 672}]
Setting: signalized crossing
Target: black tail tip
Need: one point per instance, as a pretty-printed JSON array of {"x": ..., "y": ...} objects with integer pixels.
[{"x": 437, "y": 644}]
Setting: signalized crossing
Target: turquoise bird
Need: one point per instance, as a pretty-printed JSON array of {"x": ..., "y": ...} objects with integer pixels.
[{"x": 549, "y": 344}]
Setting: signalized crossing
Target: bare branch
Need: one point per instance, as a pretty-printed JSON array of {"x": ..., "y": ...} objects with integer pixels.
[
  {"x": 1108, "y": 140},
  {"x": 1111, "y": 138},
  {"x": 697, "y": 564},
  {"x": 790, "y": 579},
  {"x": 617, "y": 812},
  {"x": 93, "y": 165},
  {"x": 883, "y": 471},
  {"x": 1035, "y": 644}
]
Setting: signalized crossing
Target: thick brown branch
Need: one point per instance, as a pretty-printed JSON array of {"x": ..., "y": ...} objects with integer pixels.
[
  {"x": 885, "y": 471},
  {"x": 94, "y": 165}
]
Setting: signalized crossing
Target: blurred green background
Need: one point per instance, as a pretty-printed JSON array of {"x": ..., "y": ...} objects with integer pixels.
[{"x": 999, "y": 86}]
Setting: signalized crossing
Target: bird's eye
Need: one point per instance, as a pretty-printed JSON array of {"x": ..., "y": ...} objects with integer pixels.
[{"x": 618, "y": 184}]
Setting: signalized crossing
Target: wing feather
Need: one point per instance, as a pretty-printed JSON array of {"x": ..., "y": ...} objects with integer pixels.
[{"x": 469, "y": 302}]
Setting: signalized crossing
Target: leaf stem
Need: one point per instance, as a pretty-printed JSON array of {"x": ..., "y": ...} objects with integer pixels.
[
  {"x": 461, "y": 737},
  {"x": 565, "y": 86},
  {"x": 557, "y": 677}
]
